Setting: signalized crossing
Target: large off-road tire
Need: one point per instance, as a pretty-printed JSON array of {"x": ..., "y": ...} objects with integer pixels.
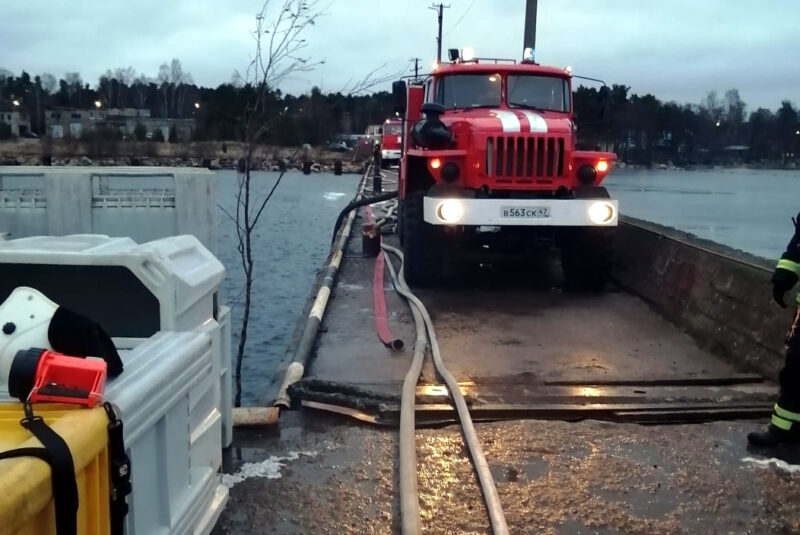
[
  {"x": 422, "y": 243},
  {"x": 586, "y": 258}
]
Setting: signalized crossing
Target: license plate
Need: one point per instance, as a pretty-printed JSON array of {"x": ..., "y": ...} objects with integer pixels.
[{"x": 525, "y": 212}]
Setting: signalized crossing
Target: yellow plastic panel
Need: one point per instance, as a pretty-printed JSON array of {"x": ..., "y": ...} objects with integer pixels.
[{"x": 26, "y": 498}]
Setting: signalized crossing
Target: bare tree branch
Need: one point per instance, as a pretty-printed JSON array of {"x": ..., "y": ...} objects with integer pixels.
[{"x": 278, "y": 52}]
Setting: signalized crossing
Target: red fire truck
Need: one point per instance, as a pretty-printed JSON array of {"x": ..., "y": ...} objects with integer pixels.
[
  {"x": 391, "y": 142},
  {"x": 490, "y": 163}
]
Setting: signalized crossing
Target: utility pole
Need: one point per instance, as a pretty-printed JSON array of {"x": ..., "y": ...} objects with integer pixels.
[
  {"x": 416, "y": 67},
  {"x": 440, "y": 9}
]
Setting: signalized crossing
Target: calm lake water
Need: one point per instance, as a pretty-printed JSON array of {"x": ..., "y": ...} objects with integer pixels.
[
  {"x": 742, "y": 208},
  {"x": 748, "y": 210},
  {"x": 290, "y": 243}
]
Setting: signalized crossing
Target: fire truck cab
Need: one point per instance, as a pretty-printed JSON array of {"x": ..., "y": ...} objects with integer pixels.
[
  {"x": 490, "y": 161},
  {"x": 391, "y": 142}
]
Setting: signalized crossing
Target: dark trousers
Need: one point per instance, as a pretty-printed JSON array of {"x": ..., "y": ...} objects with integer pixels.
[{"x": 789, "y": 377}]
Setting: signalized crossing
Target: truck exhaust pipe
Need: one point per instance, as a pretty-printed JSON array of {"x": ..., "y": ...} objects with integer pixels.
[{"x": 529, "y": 35}]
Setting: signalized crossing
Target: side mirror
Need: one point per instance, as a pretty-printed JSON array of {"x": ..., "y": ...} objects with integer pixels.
[{"x": 399, "y": 95}]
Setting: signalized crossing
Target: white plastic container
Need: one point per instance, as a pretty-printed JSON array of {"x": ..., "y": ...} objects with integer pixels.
[
  {"x": 172, "y": 423},
  {"x": 144, "y": 203},
  {"x": 133, "y": 291},
  {"x": 158, "y": 301}
]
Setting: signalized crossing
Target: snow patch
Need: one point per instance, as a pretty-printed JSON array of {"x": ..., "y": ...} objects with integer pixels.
[
  {"x": 269, "y": 468},
  {"x": 333, "y": 195},
  {"x": 779, "y": 464}
]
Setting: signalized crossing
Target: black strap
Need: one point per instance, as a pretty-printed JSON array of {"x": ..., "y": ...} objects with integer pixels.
[
  {"x": 120, "y": 469},
  {"x": 62, "y": 469}
]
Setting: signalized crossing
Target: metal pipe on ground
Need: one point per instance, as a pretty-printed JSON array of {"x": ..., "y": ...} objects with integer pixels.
[
  {"x": 296, "y": 369},
  {"x": 255, "y": 416}
]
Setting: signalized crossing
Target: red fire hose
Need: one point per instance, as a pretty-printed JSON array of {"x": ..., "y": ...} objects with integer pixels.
[{"x": 379, "y": 299}]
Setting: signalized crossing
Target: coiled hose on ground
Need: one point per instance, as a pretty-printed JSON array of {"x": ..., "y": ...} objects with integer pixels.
[{"x": 410, "y": 502}]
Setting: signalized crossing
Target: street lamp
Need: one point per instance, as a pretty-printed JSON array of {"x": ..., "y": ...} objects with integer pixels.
[
  {"x": 15, "y": 102},
  {"x": 718, "y": 122},
  {"x": 97, "y": 104},
  {"x": 197, "y": 105}
]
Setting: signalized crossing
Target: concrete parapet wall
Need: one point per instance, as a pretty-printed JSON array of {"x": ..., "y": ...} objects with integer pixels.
[{"x": 720, "y": 296}]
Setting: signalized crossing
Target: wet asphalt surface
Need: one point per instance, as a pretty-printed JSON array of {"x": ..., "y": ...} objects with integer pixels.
[{"x": 553, "y": 478}]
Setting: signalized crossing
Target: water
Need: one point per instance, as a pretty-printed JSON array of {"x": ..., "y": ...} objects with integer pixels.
[
  {"x": 290, "y": 243},
  {"x": 742, "y": 208}
]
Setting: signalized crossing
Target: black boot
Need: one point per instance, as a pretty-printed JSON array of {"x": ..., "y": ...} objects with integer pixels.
[{"x": 773, "y": 436}]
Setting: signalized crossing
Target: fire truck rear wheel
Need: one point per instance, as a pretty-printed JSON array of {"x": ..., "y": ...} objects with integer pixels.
[
  {"x": 586, "y": 258},
  {"x": 421, "y": 243},
  {"x": 400, "y": 232}
]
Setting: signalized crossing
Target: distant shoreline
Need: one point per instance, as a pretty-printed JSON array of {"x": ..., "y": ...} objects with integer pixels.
[{"x": 204, "y": 154}]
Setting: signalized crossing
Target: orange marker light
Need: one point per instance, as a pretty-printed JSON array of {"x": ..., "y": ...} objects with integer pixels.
[
  {"x": 435, "y": 163},
  {"x": 602, "y": 166}
]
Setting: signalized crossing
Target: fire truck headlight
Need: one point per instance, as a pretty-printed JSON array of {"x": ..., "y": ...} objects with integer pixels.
[
  {"x": 601, "y": 212},
  {"x": 601, "y": 166},
  {"x": 450, "y": 210},
  {"x": 450, "y": 172},
  {"x": 587, "y": 174}
]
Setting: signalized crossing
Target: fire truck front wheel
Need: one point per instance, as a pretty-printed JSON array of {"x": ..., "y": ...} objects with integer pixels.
[
  {"x": 421, "y": 243},
  {"x": 586, "y": 258}
]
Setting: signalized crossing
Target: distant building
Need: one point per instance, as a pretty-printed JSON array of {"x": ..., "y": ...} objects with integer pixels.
[
  {"x": 71, "y": 122},
  {"x": 19, "y": 121}
]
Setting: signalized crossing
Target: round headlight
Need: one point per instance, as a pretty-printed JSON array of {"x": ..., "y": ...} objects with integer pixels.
[
  {"x": 587, "y": 174},
  {"x": 450, "y": 172},
  {"x": 601, "y": 212},
  {"x": 450, "y": 210},
  {"x": 602, "y": 166}
]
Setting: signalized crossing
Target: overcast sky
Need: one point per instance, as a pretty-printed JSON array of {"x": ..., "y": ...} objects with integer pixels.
[{"x": 678, "y": 49}]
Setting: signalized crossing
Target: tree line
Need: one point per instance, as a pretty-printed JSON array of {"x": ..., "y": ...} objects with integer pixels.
[
  {"x": 639, "y": 128},
  {"x": 643, "y": 129}
]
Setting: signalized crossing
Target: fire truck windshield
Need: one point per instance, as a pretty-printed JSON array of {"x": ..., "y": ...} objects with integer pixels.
[
  {"x": 468, "y": 90},
  {"x": 392, "y": 128},
  {"x": 538, "y": 92}
]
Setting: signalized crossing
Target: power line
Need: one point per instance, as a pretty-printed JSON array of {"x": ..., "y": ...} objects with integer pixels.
[{"x": 460, "y": 19}]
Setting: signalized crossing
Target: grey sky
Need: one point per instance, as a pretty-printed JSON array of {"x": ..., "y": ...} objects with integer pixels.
[{"x": 677, "y": 50}]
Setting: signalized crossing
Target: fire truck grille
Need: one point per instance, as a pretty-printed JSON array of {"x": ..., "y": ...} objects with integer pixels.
[{"x": 525, "y": 159}]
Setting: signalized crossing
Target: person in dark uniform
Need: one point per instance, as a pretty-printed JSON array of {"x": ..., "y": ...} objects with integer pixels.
[{"x": 785, "y": 424}]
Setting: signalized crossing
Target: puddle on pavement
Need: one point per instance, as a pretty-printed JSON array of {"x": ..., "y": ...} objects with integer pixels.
[
  {"x": 525, "y": 471},
  {"x": 577, "y": 527}
]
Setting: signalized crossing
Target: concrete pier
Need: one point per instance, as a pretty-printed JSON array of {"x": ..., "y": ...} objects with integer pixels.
[{"x": 562, "y": 380}]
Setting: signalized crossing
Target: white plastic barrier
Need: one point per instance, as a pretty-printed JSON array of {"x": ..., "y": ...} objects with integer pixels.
[
  {"x": 172, "y": 428},
  {"x": 133, "y": 291},
  {"x": 144, "y": 203},
  {"x": 158, "y": 302}
]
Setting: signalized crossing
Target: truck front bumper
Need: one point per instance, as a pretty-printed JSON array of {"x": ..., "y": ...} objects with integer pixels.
[{"x": 521, "y": 212}]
